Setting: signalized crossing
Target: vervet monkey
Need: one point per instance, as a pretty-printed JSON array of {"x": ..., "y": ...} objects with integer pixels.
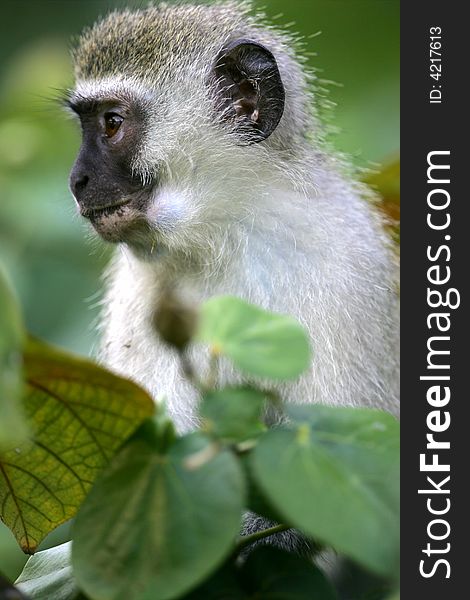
[{"x": 202, "y": 160}]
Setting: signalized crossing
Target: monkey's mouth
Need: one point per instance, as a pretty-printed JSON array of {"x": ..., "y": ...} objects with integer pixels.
[
  {"x": 98, "y": 213},
  {"x": 117, "y": 222}
]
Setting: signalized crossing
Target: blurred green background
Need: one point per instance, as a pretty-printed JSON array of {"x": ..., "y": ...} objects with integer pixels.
[{"x": 52, "y": 260}]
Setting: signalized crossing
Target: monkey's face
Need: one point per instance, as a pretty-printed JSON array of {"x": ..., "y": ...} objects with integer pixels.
[{"x": 165, "y": 155}]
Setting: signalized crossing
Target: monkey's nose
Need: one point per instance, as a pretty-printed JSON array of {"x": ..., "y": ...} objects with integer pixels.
[{"x": 78, "y": 184}]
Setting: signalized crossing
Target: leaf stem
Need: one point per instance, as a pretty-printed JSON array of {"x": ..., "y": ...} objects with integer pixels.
[
  {"x": 202, "y": 386},
  {"x": 246, "y": 540},
  {"x": 190, "y": 374},
  {"x": 213, "y": 369}
]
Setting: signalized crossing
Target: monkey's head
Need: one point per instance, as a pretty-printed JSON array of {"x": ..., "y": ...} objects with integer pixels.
[{"x": 184, "y": 111}]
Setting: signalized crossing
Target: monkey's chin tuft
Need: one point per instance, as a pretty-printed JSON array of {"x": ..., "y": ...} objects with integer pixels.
[{"x": 120, "y": 225}]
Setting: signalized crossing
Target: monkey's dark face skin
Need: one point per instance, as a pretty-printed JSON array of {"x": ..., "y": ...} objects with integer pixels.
[{"x": 102, "y": 181}]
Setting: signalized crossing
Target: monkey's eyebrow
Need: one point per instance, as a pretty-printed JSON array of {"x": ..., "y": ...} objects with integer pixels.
[{"x": 82, "y": 106}]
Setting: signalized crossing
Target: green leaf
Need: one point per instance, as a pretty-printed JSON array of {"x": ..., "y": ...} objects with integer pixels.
[
  {"x": 154, "y": 525},
  {"x": 258, "y": 342},
  {"x": 233, "y": 414},
  {"x": 335, "y": 476},
  {"x": 256, "y": 500},
  {"x": 13, "y": 427},
  {"x": 48, "y": 575},
  {"x": 267, "y": 574},
  {"x": 79, "y": 414}
]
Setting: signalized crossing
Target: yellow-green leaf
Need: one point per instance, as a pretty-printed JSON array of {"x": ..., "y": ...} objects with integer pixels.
[
  {"x": 387, "y": 183},
  {"x": 79, "y": 415}
]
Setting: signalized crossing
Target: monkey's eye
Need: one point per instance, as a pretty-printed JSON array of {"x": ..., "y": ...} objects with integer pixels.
[{"x": 112, "y": 122}]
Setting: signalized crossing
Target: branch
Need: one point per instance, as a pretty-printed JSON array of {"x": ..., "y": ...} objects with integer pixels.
[{"x": 246, "y": 540}]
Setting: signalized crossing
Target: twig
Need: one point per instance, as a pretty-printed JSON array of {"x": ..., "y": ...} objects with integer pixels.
[{"x": 246, "y": 540}]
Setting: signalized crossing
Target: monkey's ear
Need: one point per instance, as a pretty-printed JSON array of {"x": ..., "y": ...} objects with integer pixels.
[{"x": 249, "y": 88}]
